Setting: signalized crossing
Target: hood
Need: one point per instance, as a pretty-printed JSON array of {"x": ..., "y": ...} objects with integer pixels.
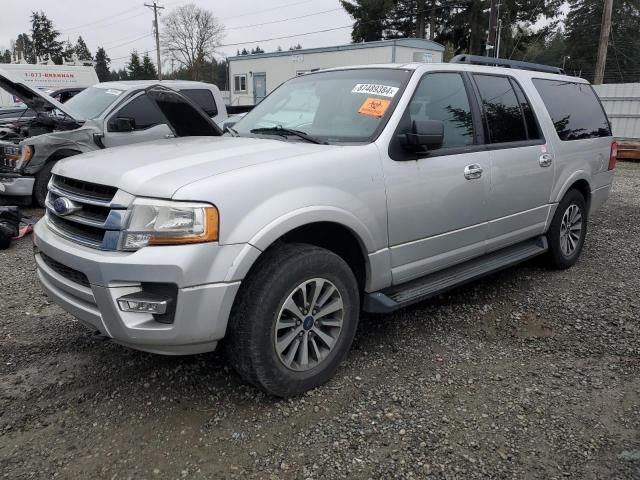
[
  {"x": 34, "y": 99},
  {"x": 160, "y": 168}
]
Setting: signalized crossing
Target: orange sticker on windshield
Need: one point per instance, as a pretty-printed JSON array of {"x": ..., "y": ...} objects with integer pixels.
[{"x": 374, "y": 107}]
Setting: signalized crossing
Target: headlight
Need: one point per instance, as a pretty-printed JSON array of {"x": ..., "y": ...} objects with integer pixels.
[
  {"x": 18, "y": 155},
  {"x": 161, "y": 222}
]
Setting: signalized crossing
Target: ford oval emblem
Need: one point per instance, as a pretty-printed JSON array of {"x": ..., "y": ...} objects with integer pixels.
[{"x": 63, "y": 206}]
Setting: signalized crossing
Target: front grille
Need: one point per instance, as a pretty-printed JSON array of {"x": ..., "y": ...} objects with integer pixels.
[
  {"x": 85, "y": 189},
  {"x": 67, "y": 272},
  {"x": 97, "y": 215},
  {"x": 91, "y": 234}
]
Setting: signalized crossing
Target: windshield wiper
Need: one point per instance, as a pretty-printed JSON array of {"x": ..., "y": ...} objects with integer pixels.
[{"x": 278, "y": 130}]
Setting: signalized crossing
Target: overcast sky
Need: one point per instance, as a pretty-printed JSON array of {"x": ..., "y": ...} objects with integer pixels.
[{"x": 121, "y": 25}]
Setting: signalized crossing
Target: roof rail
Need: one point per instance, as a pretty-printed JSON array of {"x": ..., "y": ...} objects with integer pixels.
[{"x": 503, "y": 62}]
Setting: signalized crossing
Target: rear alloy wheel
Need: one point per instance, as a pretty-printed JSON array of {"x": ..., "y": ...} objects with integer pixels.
[
  {"x": 294, "y": 319},
  {"x": 568, "y": 230}
]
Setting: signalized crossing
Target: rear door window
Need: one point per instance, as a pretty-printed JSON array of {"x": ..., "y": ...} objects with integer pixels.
[
  {"x": 203, "y": 98},
  {"x": 502, "y": 110},
  {"x": 144, "y": 113},
  {"x": 574, "y": 109},
  {"x": 533, "y": 132}
]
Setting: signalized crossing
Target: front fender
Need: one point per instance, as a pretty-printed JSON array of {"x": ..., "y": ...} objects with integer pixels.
[{"x": 306, "y": 215}]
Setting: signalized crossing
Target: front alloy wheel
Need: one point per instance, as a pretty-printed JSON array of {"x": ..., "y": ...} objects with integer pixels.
[
  {"x": 309, "y": 324},
  {"x": 294, "y": 319}
]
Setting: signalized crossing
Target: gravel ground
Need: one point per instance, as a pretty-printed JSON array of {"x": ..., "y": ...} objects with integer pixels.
[{"x": 529, "y": 373}]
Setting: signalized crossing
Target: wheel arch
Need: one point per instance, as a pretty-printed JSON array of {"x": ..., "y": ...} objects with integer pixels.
[
  {"x": 62, "y": 153},
  {"x": 331, "y": 228},
  {"x": 579, "y": 181}
]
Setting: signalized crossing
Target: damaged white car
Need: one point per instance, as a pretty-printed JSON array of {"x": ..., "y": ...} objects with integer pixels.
[{"x": 106, "y": 115}]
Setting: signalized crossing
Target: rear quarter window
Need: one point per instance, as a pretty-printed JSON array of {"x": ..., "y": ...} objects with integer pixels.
[{"x": 574, "y": 109}]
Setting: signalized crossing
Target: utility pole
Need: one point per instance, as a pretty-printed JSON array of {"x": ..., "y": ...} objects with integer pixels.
[
  {"x": 605, "y": 28},
  {"x": 499, "y": 35},
  {"x": 493, "y": 24},
  {"x": 156, "y": 27}
]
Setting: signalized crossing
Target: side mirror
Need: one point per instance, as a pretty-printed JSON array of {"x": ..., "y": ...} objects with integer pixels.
[
  {"x": 424, "y": 135},
  {"x": 123, "y": 124}
]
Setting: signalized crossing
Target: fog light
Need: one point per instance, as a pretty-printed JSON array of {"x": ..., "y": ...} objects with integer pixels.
[{"x": 143, "y": 302}]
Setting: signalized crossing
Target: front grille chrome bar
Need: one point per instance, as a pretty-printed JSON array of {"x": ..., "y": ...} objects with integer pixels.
[{"x": 100, "y": 215}]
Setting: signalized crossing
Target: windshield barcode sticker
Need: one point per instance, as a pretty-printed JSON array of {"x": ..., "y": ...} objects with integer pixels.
[{"x": 373, "y": 89}]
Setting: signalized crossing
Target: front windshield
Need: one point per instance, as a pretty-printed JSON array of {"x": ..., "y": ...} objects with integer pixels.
[
  {"x": 92, "y": 101},
  {"x": 339, "y": 106}
]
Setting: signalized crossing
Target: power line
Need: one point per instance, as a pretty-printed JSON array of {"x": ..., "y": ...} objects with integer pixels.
[
  {"x": 113, "y": 47},
  {"x": 114, "y": 23},
  {"x": 99, "y": 21},
  {"x": 286, "y": 36},
  {"x": 271, "y": 39},
  {"x": 269, "y": 9},
  {"x": 283, "y": 20}
]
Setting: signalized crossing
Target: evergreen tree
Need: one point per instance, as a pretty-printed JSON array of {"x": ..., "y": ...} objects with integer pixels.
[
  {"x": 82, "y": 50},
  {"x": 102, "y": 65},
  {"x": 460, "y": 23},
  {"x": 148, "y": 70},
  {"x": 582, "y": 38},
  {"x": 45, "y": 38},
  {"x": 6, "y": 56},
  {"x": 257, "y": 50},
  {"x": 134, "y": 67},
  {"x": 370, "y": 18},
  {"x": 244, "y": 52},
  {"x": 24, "y": 47}
]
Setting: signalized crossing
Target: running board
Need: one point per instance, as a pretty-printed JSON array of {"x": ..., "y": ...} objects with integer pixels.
[{"x": 399, "y": 296}]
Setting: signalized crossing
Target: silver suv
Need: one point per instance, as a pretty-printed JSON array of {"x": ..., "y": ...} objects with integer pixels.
[{"x": 361, "y": 188}]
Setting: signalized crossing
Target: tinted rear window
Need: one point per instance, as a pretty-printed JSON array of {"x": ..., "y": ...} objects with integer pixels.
[
  {"x": 501, "y": 108},
  {"x": 204, "y": 99},
  {"x": 574, "y": 109}
]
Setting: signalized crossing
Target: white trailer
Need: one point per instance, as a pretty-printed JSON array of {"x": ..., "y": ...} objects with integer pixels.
[
  {"x": 46, "y": 77},
  {"x": 252, "y": 77}
]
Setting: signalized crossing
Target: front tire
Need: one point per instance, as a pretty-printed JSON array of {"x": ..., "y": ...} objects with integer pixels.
[
  {"x": 41, "y": 183},
  {"x": 568, "y": 230},
  {"x": 294, "y": 319}
]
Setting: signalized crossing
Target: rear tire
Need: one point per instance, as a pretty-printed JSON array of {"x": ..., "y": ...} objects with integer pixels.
[
  {"x": 568, "y": 230},
  {"x": 40, "y": 185},
  {"x": 275, "y": 340}
]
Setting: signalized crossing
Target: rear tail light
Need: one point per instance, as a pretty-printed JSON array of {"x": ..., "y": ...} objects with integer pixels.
[{"x": 613, "y": 155}]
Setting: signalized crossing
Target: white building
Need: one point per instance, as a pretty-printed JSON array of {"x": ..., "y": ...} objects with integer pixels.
[{"x": 252, "y": 77}]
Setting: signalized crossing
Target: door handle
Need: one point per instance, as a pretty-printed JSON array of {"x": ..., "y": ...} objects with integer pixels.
[
  {"x": 169, "y": 135},
  {"x": 471, "y": 172},
  {"x": 545, "y": 160}
]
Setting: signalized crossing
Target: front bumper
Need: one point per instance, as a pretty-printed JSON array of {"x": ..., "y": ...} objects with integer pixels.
[
  {"x": 15, "y": 185},
  {"x": 206, "y": 290}
]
